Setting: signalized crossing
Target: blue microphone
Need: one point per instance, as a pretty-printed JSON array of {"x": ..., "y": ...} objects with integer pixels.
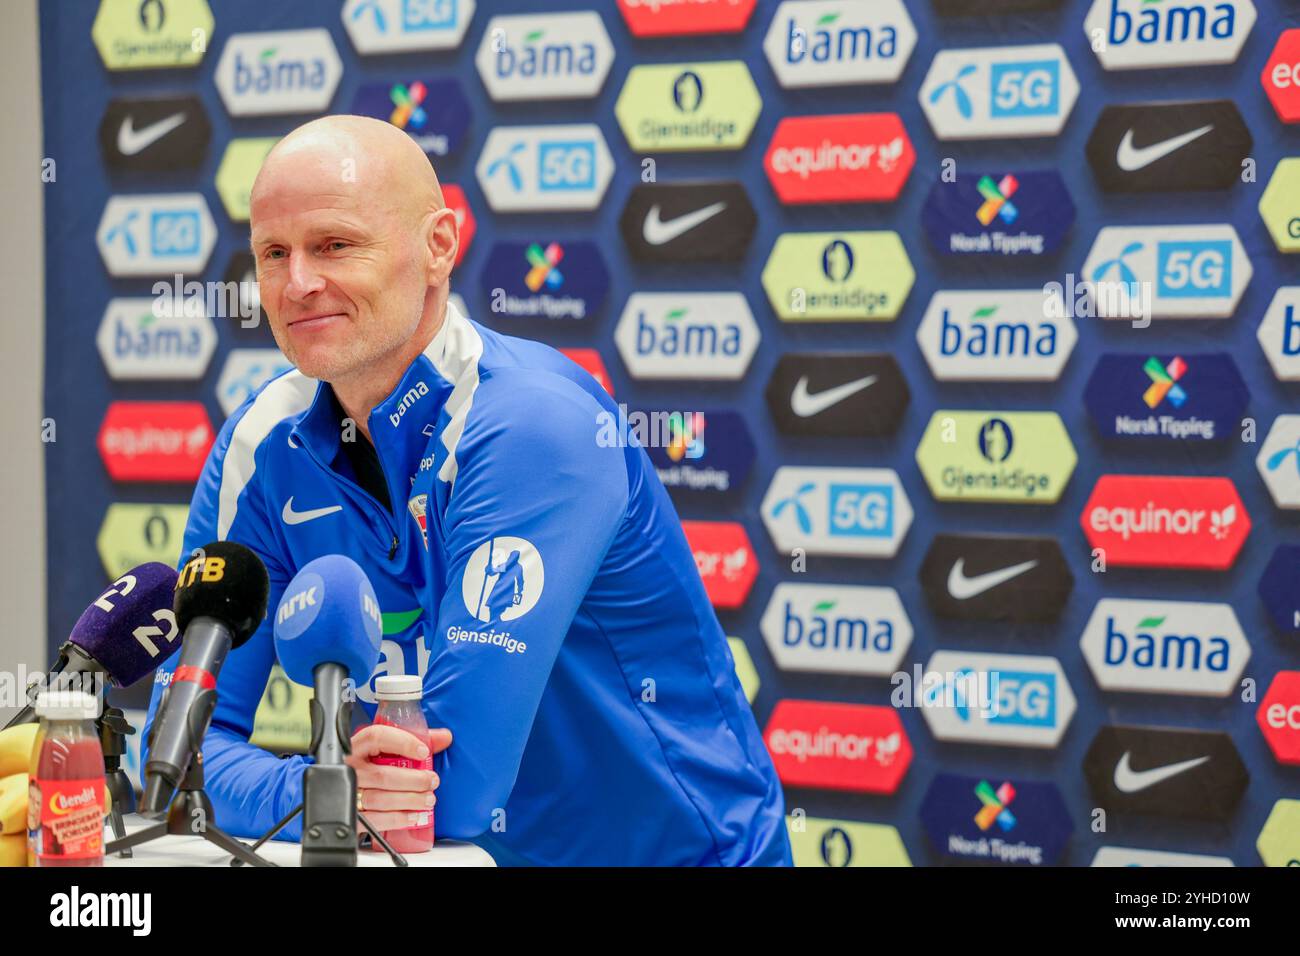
[{"x": 327, "y": 630}]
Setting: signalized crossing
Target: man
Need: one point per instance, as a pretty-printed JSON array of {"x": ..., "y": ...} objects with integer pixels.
[{"x": 536, "y": 578}]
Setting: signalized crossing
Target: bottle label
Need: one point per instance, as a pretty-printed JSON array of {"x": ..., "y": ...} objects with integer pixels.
[
  {"x": 65, "y": 818},
  {"x": 389, "y": 760}
]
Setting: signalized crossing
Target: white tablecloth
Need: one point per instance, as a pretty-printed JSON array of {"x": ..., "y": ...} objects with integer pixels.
[{"x": 195, "y": 851}]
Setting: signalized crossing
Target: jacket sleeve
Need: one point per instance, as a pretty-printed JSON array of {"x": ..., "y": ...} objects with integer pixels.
[
  {"x": 535, "y": 504},
  {"x": 250, "y": 788}
]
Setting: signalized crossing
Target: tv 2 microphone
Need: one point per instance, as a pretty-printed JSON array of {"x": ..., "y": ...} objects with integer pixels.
[
  {"x": 220, "y": 601},
  {"x": 123, "y": 635},
  {"x": 328, "y": 630}
]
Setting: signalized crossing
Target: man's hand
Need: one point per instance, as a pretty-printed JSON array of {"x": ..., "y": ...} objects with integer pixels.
[{"x": 391, "y": 795}]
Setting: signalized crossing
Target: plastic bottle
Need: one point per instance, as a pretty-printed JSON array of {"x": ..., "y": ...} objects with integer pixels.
[
  {"x": 65, "y": 806},
  {"x": 399, "y": 706}
]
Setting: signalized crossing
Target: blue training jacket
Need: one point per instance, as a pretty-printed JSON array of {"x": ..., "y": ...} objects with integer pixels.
[{"x": 534, "y": 573}]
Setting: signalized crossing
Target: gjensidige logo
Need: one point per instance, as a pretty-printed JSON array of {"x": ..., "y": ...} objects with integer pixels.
[{"x": 502, "y": 581}]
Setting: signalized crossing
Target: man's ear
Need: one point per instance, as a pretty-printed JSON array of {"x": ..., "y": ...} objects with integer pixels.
[{"x": 444, "y": 239}]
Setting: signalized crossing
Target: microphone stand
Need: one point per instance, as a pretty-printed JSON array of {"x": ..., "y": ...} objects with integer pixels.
[
  {"x": 113, "y": 728},
  {"x": 189, "y": 815},
  {"x": 329, "y": 788}
]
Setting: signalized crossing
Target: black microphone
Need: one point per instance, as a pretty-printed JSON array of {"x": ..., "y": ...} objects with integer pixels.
[
  {"x": 221, "y": 599},
  {"x": 123, "y": 635}
]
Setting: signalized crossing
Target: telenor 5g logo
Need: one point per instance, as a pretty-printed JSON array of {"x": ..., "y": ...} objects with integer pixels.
[{"x": 1005, "y": 91}]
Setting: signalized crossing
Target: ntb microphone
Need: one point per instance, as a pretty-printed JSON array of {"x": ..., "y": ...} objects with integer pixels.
[
  {"x": 327, "y": 631},
  {"x": 220, "y": 601},
  {"x": 124, "y": 634}
]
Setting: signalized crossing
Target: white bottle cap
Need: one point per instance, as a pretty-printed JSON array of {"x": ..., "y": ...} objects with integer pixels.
[
  {"x": 66, "y": 705},
  {"x": 399, "y": 687}
]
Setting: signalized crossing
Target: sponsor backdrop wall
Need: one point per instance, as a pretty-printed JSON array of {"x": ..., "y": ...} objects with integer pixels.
[{"x": 999, "y": 155}]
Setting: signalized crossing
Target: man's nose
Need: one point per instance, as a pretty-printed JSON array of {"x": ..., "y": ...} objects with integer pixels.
[{"x": 304, "y": 278}]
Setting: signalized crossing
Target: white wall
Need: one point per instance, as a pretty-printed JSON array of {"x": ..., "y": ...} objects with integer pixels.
[{"x": 22, "y": 346}]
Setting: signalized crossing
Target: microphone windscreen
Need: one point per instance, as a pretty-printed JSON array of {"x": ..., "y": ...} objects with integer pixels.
[
  {"x": 130, "y": 628},
  {"x": 328, "y": 614},
  {"x": 226, "y": 581}
]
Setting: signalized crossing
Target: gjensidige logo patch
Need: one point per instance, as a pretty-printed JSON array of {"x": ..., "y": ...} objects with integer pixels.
[{"x": 502, "y": 582}]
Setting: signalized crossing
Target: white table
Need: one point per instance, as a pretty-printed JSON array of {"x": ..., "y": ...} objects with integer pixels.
[{"x": 196, "y": 851}]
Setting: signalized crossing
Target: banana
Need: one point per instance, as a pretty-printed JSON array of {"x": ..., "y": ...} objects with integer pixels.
[
  {"x": 13, "y": 850},
  {"x": 13, "y": 804},
  {"x": 16, "y": 745}
]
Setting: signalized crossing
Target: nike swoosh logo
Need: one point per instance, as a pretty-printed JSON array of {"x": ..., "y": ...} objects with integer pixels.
[
  {"x": 1131, "y": 159},
  {"x": 962, "y": 587},
  {"x": 805, "y": 405},
  {"x": 1128, "y": 780},
  {"x": 657, "y": 232},
  {"x": 298, "y": 517},
  {"x": 131, "y": 140}
]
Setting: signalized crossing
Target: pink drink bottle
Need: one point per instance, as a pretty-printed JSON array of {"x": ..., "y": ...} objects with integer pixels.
[{"x": 399, "y": 706}]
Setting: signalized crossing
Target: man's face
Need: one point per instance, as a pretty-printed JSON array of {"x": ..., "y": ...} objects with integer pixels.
[{"x": 342, "y": 270}]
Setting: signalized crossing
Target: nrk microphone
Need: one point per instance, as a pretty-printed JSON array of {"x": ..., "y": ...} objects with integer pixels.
[
  {"x": 123, "y": 635},
  {"x": 220, "y": 601},
  {"x": 327, "y": 630}
]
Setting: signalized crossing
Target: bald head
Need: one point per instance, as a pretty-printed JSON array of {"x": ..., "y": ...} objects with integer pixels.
[
  {"x": 374, "y": 158},
  {"x": 354, "y": 246}
]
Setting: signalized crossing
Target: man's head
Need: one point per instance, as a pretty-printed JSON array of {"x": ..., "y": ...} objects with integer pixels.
[{"x": 353, "y": 246}]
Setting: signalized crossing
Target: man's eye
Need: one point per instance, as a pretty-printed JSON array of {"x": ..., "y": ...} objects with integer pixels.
[
  {"x": 335, "y": 244},
  {"x": 274, "y": 254}
]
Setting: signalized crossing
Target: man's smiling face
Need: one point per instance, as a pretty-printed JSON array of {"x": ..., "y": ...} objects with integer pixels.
[{"x": 340, "y": 238}]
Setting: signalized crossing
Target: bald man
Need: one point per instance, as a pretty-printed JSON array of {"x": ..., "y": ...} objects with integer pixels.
[{"x": 531, "y": 571}]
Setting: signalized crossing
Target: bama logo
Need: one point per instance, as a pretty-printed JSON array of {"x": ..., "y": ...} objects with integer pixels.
[
  {"x": 502, "y": 581},
  {"x": 1011, "y": 699},
  {"x": 1192, "y": 397},
  {"x": 1165, "y": 647},
  {"x": 1151, "y": 34},
  {"x": 137, "y": 343},
  {"x": 998, "y": 214},
  {"x": 996, "y": 336},
  {"x": 836, "y": 629},
  {"x": 545, "y": 280},
  {"x": 1167, "y": 272},
  {"x": 725, "y": 559},
  {"x": 1166, "y": 521},
  {"x": 855, "y": 157},
  {"x": 553, "y": 56},
  {"x": 407, "y": 401},
  {"x": 1279, "y": 334},
  {"x": 832, "y": 43},
  {"x": 851, "y": 512},
  {"x": 996, "y": 820},
  {"x": 282, "y": 71},
  {"x": 667, "y": 335},
  {"x": 831, "y": 746},
  {"x": 544, "y": 168},
  {"x": 999, "y": 92}
]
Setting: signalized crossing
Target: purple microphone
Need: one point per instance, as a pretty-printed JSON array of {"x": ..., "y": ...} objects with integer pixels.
[{"x": 123, "y": 635}]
